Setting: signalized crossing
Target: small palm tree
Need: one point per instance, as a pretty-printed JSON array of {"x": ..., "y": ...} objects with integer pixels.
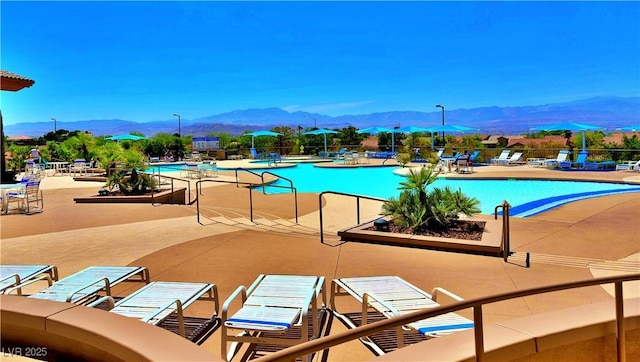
[{"x": 416, "y": 208}]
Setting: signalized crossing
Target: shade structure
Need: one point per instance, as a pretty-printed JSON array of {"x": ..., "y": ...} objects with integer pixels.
[
  {"x": 324, "y": 132},
  {"x": 376, "y": 130},
  {"x": 569, "y": 126},
  {"x": 127, "y": 136},
  {"x": 449, "y": 128},
  {"x": 635, "y": 128},
  {"x": 411, "y": 129},
  {"x": 260, "y": 133}
]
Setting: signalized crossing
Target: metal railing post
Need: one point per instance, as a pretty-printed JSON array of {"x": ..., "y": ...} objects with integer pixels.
[
  {"x": 620, "y": 334},
  {"x": 478, "y": 332}
]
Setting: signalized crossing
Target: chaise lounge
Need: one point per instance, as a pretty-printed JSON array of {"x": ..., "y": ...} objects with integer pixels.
[{"x": 388, "y": 296}]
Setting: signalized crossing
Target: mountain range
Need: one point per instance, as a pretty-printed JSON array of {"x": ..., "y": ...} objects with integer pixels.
[{"x": 607, "y": 112}]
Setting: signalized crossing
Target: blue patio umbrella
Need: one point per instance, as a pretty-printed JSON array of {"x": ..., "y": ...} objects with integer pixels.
[
  {"x": 128, "y": 136},
  {"x": 324, "y": 132},
  {"x": 260, "y": 133},
  {"x": 569, "y": 126},
  {"x": 449, "y": 128},
  {"x": 376, "y": 130}
]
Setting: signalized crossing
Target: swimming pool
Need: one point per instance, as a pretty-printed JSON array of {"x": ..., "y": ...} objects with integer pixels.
[{"x": 527, "y": 197}]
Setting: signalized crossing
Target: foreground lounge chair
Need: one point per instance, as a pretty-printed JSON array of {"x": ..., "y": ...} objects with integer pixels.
[
  {"x": 387, "y": 296},
  {"x": 276, "y": 311},
  {"x": 163, "y": 304},
  {"x": 83, "y": 287},
  {"x": 14, "y": 275}
]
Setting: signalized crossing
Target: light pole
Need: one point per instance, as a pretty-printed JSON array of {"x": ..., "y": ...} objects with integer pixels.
[
  {"x": 55, "y": 129},
  {"x": 177, "y": 115},
  {"x": 315, "y": 124},
  {"x": 441, "y": 106}
]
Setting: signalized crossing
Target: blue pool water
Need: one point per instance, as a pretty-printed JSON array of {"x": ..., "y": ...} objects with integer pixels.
[{"x": 527, "y": 197}]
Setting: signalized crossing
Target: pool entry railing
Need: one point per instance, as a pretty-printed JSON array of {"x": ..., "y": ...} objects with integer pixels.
[
  {"x": 172, "y": 180},
  {"x": 506, "y": 232},
  {"x": 357, "y": 197},
  {"x": 476, "y": 305},
  {"x": 250, "y": 186}
]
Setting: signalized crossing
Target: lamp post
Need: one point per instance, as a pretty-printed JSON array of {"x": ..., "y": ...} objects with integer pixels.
[
  {"x": 55, "y": 129},
  {"x": 177, "y": 115},
  {"x": 441, "y": 106}
]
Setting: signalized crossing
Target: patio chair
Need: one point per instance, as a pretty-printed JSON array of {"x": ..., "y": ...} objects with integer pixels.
[
  {"x": 79, "y": 167},
  {"x": 163, "y": 304},
  {"x": 464, "y": 164},
  {"x": 504, "y": 156},
  {"x": 511, "y": 161},
  {"x": 276, "y": 311},
  {"x": 27, "y": 196},
  {"x": 83, "y": 287},
  {"x": 14, "y": 275},
  {"x": 274, "y": 159},
  {"x": 628, "y": 166},
  {"x": 577, "y": 164},
  {"x": 254, "y": 154},
  {"x": 554, "y": 162},
  {"x": 388, "y": 296}
]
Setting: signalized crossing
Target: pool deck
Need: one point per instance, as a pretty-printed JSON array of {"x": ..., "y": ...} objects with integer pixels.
[{"x": 568, "y": 243}]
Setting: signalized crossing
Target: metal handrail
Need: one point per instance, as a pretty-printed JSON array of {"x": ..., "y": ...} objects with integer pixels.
[
  {"x": 358, "y": 197},
  {"x": 249, "y": 171},
  {"x": 307, "y": 348},
  {"x": 293, "y": 189},
  {"x": 199, "y": 192},
  {"x": 506, "y": 240},
  {"x": 190, "y": 202}
]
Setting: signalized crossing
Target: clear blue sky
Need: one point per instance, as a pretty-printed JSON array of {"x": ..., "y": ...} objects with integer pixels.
[{"x": 144, "y": 61}]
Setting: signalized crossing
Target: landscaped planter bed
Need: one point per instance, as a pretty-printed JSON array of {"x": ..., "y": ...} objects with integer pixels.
[{"x": 488, "y": 245}]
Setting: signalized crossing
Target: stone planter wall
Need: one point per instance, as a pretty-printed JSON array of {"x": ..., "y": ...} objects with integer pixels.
[
  {"x": 490, "y": 244},
  {"x": 178, "y": 196}
]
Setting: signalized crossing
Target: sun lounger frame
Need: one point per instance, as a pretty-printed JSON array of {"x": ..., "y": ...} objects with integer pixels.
[
  {"x": 158, "y": 301},
  {"x": 22, "y": 274},
  {"x": 389, "y": 296},
  {"x": 83, "y": 287},
  {"x": 275, "y": 293}
]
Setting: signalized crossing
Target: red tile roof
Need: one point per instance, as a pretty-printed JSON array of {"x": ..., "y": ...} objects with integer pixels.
[{"x": 13, "y": 82}]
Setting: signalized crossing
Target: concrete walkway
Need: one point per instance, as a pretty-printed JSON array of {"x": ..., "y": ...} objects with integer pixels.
[{"x": 567, "y": 244}]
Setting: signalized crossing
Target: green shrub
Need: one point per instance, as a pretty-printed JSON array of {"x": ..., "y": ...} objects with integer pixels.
[{"x": 417, "y": 209}]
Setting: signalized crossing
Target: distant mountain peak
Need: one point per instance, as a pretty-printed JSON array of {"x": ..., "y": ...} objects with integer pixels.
[{"x": 607, "y": 112}]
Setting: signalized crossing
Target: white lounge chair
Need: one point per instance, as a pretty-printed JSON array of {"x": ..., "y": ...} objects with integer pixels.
[
  {"x": 554, "y": 163},
  {"x": 387, "y": 296},
  {"x": 276, "y": 310},
  {"x": 83, "y": 287},
  {"x": 14, "y": 275},
  {"x": 511, "y": 161},
  {"x": 163, "y": 304},
  {"x": 504, "y": 156}
]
